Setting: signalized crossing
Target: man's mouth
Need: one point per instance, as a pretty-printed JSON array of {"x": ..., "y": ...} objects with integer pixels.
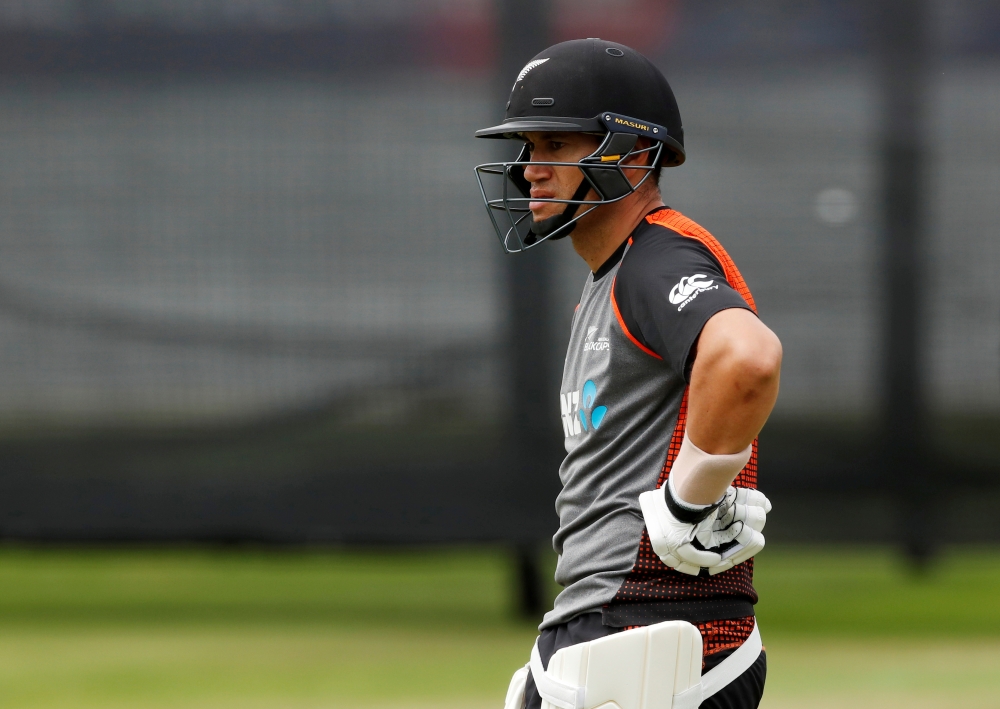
[{"x": 540, "y": 194}]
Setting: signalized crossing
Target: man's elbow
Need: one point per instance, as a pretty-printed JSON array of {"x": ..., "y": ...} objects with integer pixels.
[{"x": 757, "y": 365}]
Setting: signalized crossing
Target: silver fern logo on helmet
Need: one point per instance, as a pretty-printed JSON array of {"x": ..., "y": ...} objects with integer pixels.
[{"x": 528, "y": 67}]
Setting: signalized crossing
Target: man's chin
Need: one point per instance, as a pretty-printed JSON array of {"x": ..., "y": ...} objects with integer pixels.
[{"x": 540, "y": 215}]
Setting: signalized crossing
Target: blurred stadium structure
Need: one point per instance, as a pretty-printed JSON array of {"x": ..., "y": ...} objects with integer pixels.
[{"x": 248, "y": 290}]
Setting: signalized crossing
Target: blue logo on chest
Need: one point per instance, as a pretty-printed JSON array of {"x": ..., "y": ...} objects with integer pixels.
[{"x": 587, "y": 405}]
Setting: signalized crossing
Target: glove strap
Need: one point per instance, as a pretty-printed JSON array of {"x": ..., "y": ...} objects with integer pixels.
[{"x": 685, "y": 511}]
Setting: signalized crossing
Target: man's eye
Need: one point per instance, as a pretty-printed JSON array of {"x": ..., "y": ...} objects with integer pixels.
[{"x": 553, "y": 145}]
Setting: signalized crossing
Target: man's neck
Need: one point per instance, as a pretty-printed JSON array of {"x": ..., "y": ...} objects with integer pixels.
[{"x": 597, "y": 239}]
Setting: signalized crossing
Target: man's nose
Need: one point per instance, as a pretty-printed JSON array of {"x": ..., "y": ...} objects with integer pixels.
[{"x": 536, "y": 173}]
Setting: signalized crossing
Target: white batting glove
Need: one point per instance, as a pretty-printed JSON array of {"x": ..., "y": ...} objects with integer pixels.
[
  {"x": 673, "y": 527},
  {"x": 736, "y": 531},
  {"x": 716, "y": 537}
]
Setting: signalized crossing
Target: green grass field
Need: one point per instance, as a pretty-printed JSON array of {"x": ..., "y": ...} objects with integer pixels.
[{"x": 289, "y": 630}]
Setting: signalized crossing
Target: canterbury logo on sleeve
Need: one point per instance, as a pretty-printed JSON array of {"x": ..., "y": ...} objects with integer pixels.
[{"x": 689, "y": 288}]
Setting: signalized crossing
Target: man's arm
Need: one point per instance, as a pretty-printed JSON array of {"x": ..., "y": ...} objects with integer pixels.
[{"x": 734, "y": 384}]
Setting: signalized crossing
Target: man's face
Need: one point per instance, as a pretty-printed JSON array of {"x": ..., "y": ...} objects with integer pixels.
[{"x": 555, "y": 181}]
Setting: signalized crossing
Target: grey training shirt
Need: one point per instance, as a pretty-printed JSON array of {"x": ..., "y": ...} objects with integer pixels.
[{"x": 624, "y": 381}]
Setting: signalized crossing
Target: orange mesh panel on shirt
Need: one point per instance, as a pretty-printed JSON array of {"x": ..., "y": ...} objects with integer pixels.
[
  {"x": 650, "y": 579},
  {"x": 719, "y": 635}
]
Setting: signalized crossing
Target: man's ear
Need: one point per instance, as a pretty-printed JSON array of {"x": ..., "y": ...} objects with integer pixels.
[{"x": 644, "y": 158}]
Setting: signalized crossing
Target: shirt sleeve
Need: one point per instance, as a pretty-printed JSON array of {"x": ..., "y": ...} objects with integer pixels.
[{"x": 667, "y": 288}]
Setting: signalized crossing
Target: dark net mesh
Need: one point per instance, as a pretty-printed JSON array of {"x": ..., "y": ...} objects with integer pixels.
[{"x": 248, "y": 286}]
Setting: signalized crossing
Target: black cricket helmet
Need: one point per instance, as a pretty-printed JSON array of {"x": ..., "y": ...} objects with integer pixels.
[{"x": 585, "y": 86}]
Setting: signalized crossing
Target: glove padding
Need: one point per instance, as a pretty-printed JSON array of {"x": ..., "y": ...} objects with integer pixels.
[
  {"x": 729, "y": 534},
  {"x": 736, "y": 531}
]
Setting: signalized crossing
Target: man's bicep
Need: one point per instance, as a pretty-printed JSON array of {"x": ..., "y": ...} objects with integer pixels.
[{"x": 689, "y": 330}]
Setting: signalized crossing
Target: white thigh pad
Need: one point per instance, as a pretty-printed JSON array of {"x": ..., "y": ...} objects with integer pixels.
[
  {"x": 655, "y": 667},
  {"x": 627, "y": 670},
  {"x": 515, "y": 692}
]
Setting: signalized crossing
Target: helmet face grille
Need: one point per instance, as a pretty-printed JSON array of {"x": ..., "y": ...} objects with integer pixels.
[{"x": 507, "y": 194}]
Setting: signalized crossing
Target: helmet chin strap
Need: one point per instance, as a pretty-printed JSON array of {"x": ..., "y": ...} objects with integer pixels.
[{"x": 540, "y": 230}]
